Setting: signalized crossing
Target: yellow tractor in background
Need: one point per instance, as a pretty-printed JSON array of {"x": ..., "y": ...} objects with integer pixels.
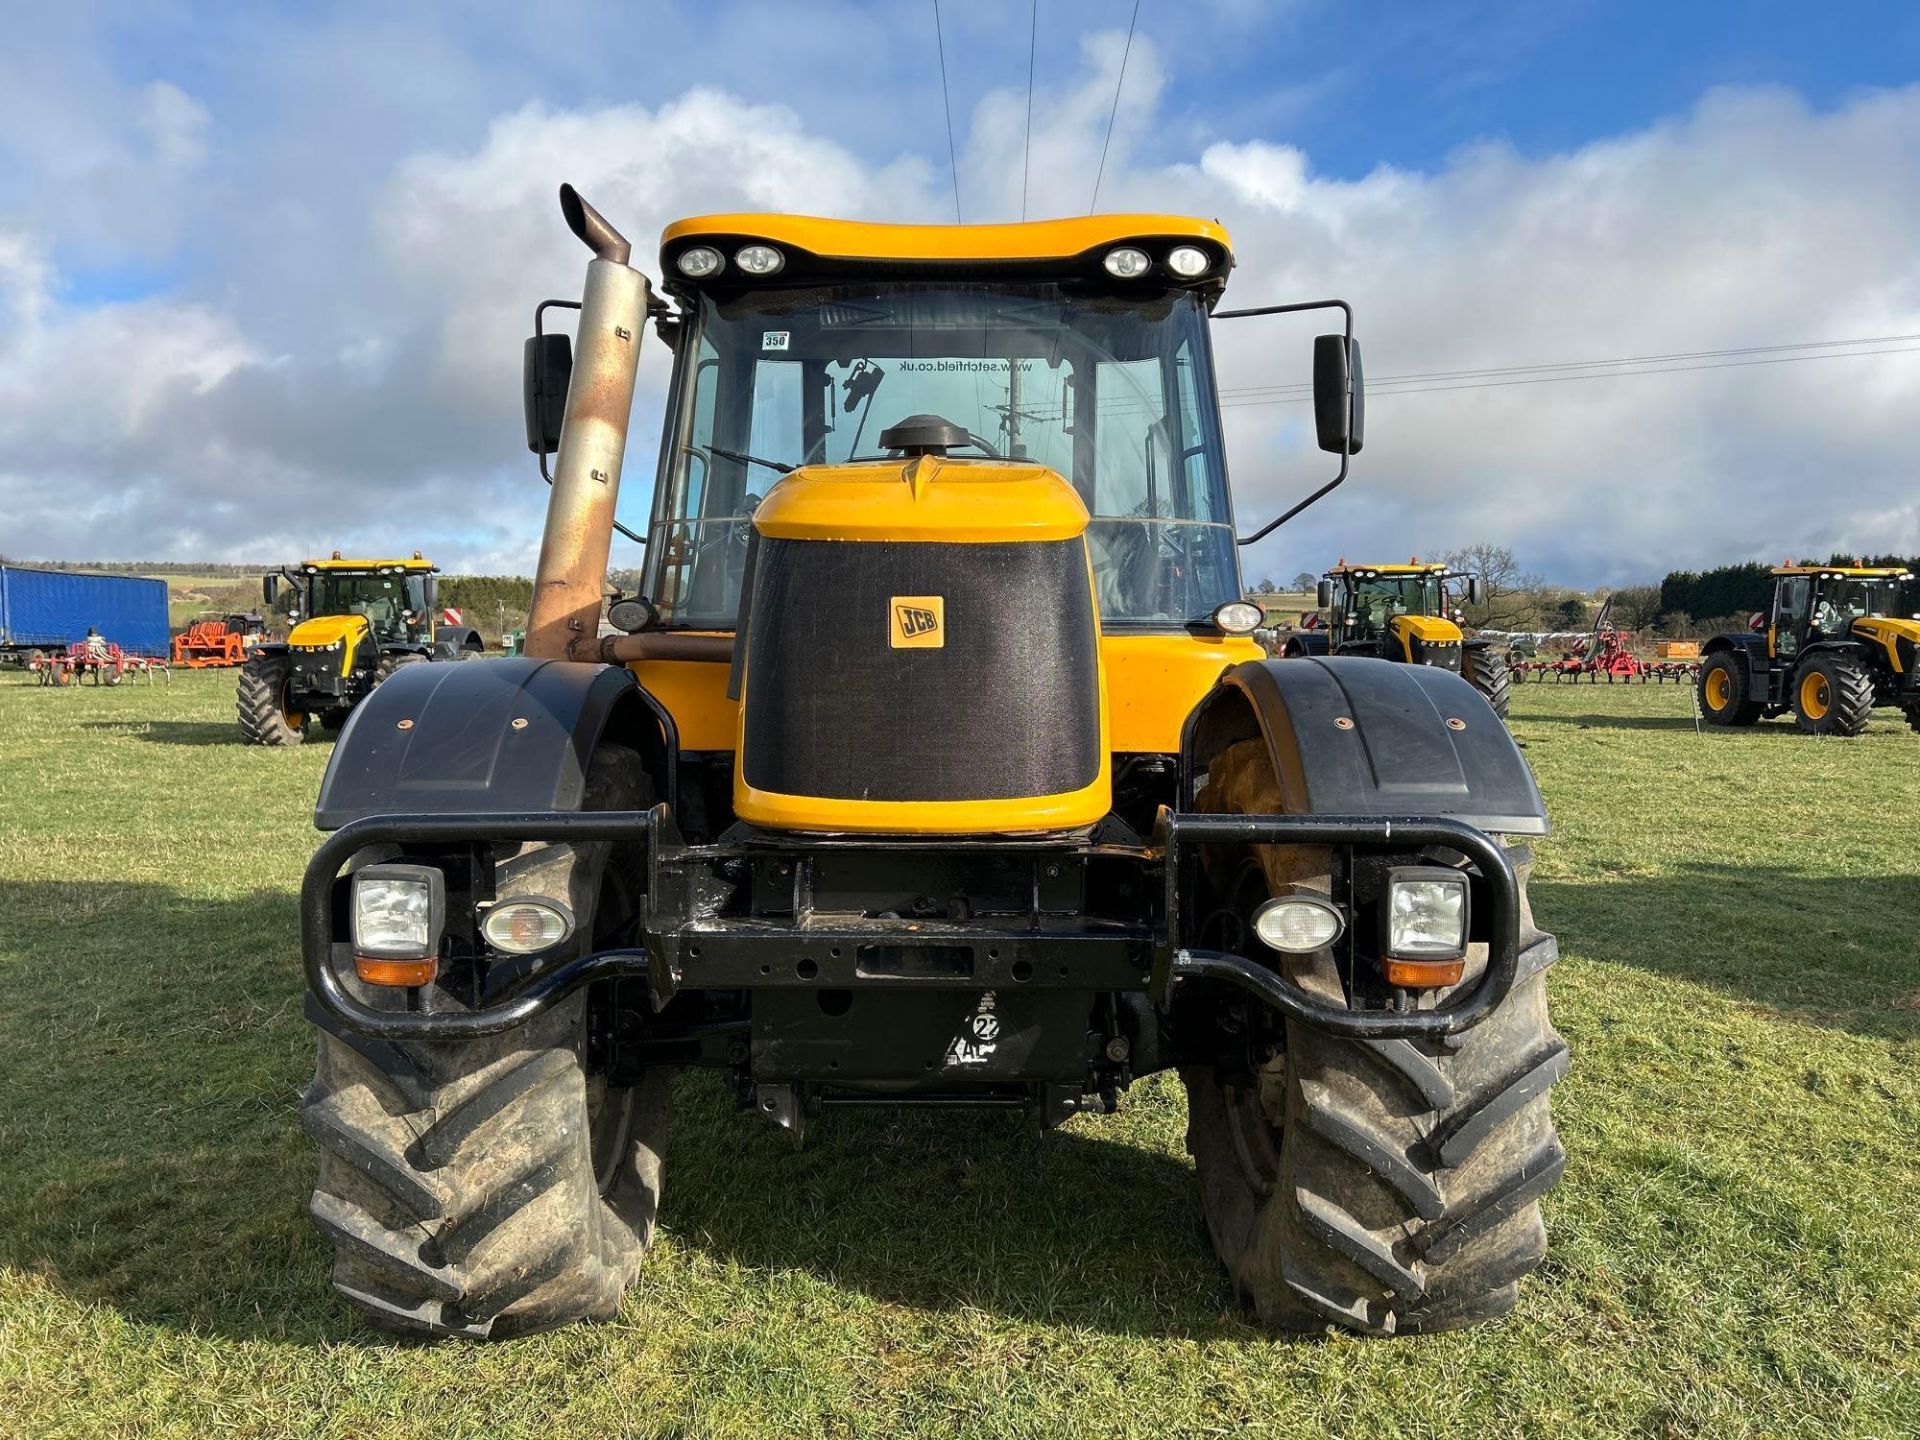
[
  {"x": 1404, "y": 613},
  {"x": 937, "y": 766},
  {"x": 1838, "y": 642},
  {"x": 354, "y": 622}
]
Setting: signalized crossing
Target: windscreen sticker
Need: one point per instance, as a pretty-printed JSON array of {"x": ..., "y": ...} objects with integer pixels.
[{"x": 774, "y": 339}]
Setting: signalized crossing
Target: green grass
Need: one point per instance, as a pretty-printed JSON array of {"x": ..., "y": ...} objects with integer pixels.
[{"x": 1733, "y": 1246}]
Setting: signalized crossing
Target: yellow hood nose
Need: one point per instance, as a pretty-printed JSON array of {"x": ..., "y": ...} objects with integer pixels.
[{"x": 325, "y": 630}]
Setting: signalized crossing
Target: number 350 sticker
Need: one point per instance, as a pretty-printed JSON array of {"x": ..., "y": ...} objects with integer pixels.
[{"x": 774, "y": 339}]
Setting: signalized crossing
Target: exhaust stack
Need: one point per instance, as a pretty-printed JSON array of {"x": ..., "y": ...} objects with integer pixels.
[{"x": 570, "y": 582}]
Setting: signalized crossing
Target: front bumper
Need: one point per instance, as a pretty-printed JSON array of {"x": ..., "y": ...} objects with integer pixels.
[{"x": 690, "y": 943}]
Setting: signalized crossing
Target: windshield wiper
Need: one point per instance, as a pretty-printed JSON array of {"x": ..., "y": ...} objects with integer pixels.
[{"x": 747, "y": 459}]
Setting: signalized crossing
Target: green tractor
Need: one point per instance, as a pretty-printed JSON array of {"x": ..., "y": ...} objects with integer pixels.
[
  {"x": 1838, "y": 643},
  {"x": 1402, "y": 612},
  {"x": 354, "y": 623}
]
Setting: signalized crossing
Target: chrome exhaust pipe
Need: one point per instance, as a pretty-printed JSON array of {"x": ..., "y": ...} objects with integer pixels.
[{"x": 570, "y": 582}]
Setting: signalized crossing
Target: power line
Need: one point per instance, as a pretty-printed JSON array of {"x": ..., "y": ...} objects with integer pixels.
[
  {"x": 1026, "y": 164},
  {"x": 1498, "y": 370},
  {"x": 1111, "y": 114},
  {"x": 946, "y": 104}
]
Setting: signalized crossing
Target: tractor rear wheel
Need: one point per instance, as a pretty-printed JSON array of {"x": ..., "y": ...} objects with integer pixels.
[
  {"x": 1389, "y": 1187},
  {"x": 1913, "y": 715},
  {"x": 1723, "y": 686},
  {"x": 494, "y": 1187},
  {"x": 265, "y": 716},
  {"x": 1833, "y": 695},
  {"x": 1488, "y": 674}
]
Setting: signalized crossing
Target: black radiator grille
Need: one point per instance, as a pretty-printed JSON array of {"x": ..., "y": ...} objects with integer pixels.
[{"x": 1007, "y": 706}]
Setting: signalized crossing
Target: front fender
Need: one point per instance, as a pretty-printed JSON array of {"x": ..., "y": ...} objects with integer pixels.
[
  {"x": 492, "y": 736},
  {"x": 1416, "y": 741}
]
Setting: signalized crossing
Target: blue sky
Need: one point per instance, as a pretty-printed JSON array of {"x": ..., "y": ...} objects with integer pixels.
[{"x": 298, "y": 242}]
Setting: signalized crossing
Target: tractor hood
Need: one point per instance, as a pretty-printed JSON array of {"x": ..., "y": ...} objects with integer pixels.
[
  {"x": 1900, "y": 639},
  {"x": 1427, "y": 629},
  {"x": 323, "y": 632}
]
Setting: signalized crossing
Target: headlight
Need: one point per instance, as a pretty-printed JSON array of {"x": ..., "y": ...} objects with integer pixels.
[
  {"x": 1239, "y": 617},
  {"x": 1298, "y": 924},
  {"x": 759, "y": 259},
  {"x": 1188, "y": 261},
  {"x": 1426, "y": 914},
  {"x": 699, "y": 261},
  {"x": 398, "y": 914},
  {"x": 526, "y": 927},
  {"x": 1127, "y": 263}
]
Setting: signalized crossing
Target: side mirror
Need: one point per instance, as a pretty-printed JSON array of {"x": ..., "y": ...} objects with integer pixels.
[
  {"x": 432, "y": 588},
  {"x": 1339, "y": 394},
  {"x": 1473, "y": 590},
  {"x": 270, "y": 589},
  {"x": 547, "y": 367},
  {"x": 1323, "y": 596}
]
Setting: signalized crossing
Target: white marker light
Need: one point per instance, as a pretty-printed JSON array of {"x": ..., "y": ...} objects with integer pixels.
[
  {"x": 1239, "y": 617},
  {"x": 526, "y": 927},
  {"x": 1189, "y": 262},
  {"x": 1127, "y": 263},
  {"x": 759, "y": 259},
  {"x": 699, "y": 262},
  {"x": 1297, "y": 924}
]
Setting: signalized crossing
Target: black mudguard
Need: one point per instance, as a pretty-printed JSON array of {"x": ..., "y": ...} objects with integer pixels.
[
  {"x": 1754, "y": 647},
  {"x": 450, "y": 640},
  {"x": 1306, "y": 642},
  {"x": 1417, "y": 742},
  {"x": 509, "y": 734}
]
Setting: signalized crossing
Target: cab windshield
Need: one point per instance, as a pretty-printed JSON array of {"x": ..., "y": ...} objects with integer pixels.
[
  {"x": 395, "y": 603},
  {"x": 1373, "y": 603},
  {"x": 1117, "y": 396},
  {"x": 1842, "y": 602}
]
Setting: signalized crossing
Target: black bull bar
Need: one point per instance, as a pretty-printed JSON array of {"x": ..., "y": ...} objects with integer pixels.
[{"x": 1171, "y": 963}]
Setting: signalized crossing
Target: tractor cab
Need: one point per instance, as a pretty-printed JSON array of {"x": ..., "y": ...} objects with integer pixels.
[
  {"x": 1404, "y": 613},
  {"x": 1838, "y": 642}
]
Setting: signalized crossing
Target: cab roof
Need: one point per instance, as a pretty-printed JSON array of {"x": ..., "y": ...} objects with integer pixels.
[
  {"x": 815, "y": 246},
  {"x": 1851, "y": 572},
  {"x": 335, "y": 562},
  {"x": 1415, "y": 568}
]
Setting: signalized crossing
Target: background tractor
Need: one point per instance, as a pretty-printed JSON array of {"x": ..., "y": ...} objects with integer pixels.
[
  {"x": 1838, "y": 642},
  {"x": 936, "y": 767},
  {"x": 1404, "y": 613},
  {"x": 354, "y": 622}
]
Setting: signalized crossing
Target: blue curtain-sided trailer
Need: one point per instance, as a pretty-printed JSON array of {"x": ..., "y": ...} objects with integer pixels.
[{"x": 50, "y": 609}]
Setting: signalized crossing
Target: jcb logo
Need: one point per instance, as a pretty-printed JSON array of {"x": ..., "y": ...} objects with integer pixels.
[{"x": 919, "y": 622}]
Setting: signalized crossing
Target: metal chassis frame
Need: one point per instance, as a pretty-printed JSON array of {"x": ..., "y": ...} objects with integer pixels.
[{"x": 1174, "y": 841}]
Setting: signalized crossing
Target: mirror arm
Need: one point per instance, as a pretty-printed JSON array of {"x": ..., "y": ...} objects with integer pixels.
[
  {"x": 1346, "y": 312},
  {"x": 539, "y": 314}
]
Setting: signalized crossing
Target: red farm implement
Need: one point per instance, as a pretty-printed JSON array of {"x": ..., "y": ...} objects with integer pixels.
[
  {"x": 107, "y": 663},
  {"x": 1606, "y": 655}
]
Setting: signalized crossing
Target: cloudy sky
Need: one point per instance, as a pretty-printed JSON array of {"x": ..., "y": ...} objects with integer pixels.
[{"x": 263, "y": 279}]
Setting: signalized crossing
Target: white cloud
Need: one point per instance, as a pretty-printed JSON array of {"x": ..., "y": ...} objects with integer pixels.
[{"x": 367, "y": 362}]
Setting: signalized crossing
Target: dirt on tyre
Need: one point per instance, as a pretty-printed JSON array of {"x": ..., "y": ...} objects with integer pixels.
[
  {"x": 1724, "y": 687},
  {"x": 493, "y": 1187},
  {"x": 1490, "y": 675},
  {"x": 261, "y": 703},
  {"x": 1833, "y": 695},
  {"x": 1387, "y": 1187}
]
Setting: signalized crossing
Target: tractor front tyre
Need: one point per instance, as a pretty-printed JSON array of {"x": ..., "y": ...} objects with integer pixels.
[
  {"x": 1833, "y": 695},
  {"x": 1387, "y": 1187},
  {"x": 1723, "y": 688},
  {"x": 493, "y": 1187},
  {"x": 265, "y": 716},
  {"x": 1488, "y": 674},
  {"x": 1913, "y": 715}
]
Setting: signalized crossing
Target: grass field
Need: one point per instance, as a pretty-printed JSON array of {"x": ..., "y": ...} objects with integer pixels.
[{"x": 1733, "y": 1247}]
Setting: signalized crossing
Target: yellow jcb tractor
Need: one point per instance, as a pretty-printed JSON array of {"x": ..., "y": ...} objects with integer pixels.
[
  {"x": 1403, "y": 613},
  {"x": 935, "y": 766},
  {"x": 354, "y": 622},
  {"x": 1838, "y": 642}
]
